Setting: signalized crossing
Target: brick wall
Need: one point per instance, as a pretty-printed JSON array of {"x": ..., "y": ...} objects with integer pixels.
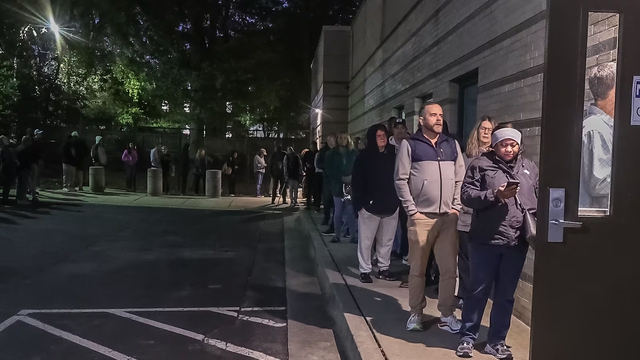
[{"x": 437, "y": 41}]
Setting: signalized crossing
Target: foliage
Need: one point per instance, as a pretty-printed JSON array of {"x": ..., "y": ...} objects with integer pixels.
[{"x": 233, "y": 64}]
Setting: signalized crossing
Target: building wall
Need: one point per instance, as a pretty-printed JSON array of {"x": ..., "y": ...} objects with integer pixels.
[
  {"x": 330, "y": 82},
  {"x": 405, "y": 54}
]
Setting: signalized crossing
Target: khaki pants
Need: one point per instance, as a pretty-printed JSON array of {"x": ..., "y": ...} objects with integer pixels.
[{"x": 437, "y": 232}]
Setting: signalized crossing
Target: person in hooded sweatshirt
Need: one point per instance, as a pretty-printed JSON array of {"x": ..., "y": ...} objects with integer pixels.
[{"x": 376, "y": 202}]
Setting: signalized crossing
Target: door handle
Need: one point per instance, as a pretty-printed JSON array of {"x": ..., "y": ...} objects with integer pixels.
[
  {"x": 566, "y": 224},
  {"x": 556, "y": 213}
]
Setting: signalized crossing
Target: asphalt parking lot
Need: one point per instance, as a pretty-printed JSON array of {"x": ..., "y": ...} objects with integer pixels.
[{"x": 87, "y": 281}]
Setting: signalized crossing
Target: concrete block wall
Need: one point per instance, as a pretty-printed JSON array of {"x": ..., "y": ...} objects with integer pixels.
[
  {"x": 434, "y": 43},
  {"x": 330, "y": 92}
]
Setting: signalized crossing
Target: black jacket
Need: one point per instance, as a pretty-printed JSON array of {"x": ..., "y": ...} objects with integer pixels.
[
  {"x": 276, "y": 164},
  {"x": 9, "y": 164},
  {"x": 81, "y": 150},
  {"x": 373, "y": 183},
  {"x": 308, "y": 162},
  {"x": 495, "y": 222},
  {"x": 68, "y": 151}
]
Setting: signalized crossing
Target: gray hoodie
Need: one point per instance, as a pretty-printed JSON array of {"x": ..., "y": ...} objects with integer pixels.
[{"x": 597, "y": 146}]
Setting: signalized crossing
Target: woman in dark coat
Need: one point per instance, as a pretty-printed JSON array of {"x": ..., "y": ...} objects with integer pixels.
[{"x": 497, "y": 237}]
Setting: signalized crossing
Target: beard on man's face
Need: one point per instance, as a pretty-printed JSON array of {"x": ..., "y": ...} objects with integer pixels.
[{"x": 435, "y": 128}]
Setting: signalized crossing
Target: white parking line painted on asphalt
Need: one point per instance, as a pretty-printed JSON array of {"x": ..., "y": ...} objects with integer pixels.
[
  {"x": 230, "y": 308},
  {"x": 75, "y": 339},
  {"x": 250, "y": 318},
  {"x": 5, "y": 324},
  {"x": 176, "y": 330}
]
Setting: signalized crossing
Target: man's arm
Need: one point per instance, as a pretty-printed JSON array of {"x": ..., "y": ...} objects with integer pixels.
[
  {"x": 402, "y": 173},
  {"x": 460, "y": 170},
  {"x": 596, "y": 163}
]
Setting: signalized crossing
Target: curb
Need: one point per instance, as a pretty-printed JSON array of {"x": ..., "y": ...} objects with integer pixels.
[{"x": 354, "y": 337}]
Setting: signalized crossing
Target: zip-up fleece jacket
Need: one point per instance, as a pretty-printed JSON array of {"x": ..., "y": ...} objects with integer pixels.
[
  {"x": 496, "y": 222},
  {"x": 429, "y": 177}
]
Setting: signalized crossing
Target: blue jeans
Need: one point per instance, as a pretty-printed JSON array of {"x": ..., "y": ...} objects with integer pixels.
[
  {"x": 345, "y": 207},
  {"x": 259, "y": 178},
  {"x": 498, "y": 265}
]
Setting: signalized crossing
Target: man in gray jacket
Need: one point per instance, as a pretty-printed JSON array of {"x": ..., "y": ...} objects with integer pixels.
[{"x": 429, "y": 173}]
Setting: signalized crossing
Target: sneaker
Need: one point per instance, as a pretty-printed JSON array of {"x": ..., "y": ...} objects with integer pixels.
[
  {"x": 347, "y": 235},
  {"x": 450, "y": 324},
  {"x": 80, "y": 189},
  {"x": 232, "y": 195},
  {"x": 284, "y": 202},
  {"x": 329, "y": 232},
  {"x": 65, "y": 189},
  {"x": 499, "y": 351},
  {"x": 335, "y": 240},
  {"x": 414, "y": 323},
  {"x": 366, "y": 278},
  {"x": 273, "y": 203},
  {"x": 465, "y": 349},
  {"x": 386, "y": 275},
  {"x": 405, "y": 260}
]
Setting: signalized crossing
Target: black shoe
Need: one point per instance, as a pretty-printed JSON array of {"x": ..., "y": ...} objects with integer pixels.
[
  {"x": 499, "y": 351},
  {"x": 335, "y": 240},
  {"x": 284, "y": 202},
  {"x": 365, "y": 278},
  {"x": 329, "y": 232},
  {"x": 386, "y": 275},
  {"x": 465, "y": 349},
  {"x": 324, "y": 223}
]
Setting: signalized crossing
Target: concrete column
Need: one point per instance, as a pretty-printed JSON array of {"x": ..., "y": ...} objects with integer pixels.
[
  {"x": 213, "y": 185},
  {"x": 96, "y": 179},
  {"x": 154, "y": 182}
]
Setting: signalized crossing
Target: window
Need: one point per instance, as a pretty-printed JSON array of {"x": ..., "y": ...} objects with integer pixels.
[
  {"x": 398, "y": 112},
  {"x": 599, "y": 117},
  {"x": 467, "y": 106}
]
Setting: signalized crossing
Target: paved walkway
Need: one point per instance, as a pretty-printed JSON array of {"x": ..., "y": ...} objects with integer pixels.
[
  {"x": 119, "y": 197},
  {"x": 385, "y": 307}
]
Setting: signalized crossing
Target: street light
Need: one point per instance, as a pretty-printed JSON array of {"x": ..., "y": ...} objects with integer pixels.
[
  {"x": 54, "y": 27},
  {"x": 318, "y": 111}
]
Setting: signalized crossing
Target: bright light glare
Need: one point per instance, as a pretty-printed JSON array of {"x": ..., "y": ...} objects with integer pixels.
[
  {"x": 318, "y": 111},
  {"x": 54, "y": 27}
]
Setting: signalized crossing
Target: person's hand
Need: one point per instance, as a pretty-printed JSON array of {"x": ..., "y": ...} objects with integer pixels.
[
  {"x": 454, "y": 211},
  {"x": 418, "y": 216},
  {"x": 504, "y": 192}
]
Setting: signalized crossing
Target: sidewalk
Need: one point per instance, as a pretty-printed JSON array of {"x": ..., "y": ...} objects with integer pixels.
[
  {"x": 123, "y": 198},
  {"x": 370, "y": 318}
]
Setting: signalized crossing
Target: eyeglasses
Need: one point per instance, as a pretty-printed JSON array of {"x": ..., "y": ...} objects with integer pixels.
[{"x": 486, "y": 129}]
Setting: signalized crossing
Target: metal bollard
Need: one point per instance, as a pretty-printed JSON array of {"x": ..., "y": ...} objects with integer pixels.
[
  {"x": 96, "y": 179},
  {"x": 154, "y": 182},
  {"x": 213, "y": 184}
]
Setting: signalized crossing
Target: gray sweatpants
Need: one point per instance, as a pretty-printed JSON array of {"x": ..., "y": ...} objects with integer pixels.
[{"x": 382, "y": 230}]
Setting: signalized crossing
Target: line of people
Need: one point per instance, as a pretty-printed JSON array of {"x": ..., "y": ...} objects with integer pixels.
[
  {"x": 21, "y": 165},
  {"x": 421, "y": 195}
]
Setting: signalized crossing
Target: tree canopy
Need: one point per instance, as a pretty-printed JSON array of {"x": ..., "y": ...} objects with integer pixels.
[{"x": 227, "y": 65}]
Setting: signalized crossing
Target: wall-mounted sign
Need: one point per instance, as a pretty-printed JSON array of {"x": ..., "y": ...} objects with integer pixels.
[{"x": 635, "y": 115}]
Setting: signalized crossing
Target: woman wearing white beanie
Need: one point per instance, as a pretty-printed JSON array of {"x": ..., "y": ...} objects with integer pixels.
[{"x": 497, "y": 241}]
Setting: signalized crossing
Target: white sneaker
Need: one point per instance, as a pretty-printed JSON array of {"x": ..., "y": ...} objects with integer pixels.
[
  {"x": 450, "y": 324},
  {"x": 414, "y": 323},
  {"x": 405, "y": 260},
  {"x": 65, "y": 189}
]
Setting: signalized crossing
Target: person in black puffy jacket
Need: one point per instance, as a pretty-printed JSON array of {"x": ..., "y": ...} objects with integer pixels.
[{"x": 376, "y": 202}]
